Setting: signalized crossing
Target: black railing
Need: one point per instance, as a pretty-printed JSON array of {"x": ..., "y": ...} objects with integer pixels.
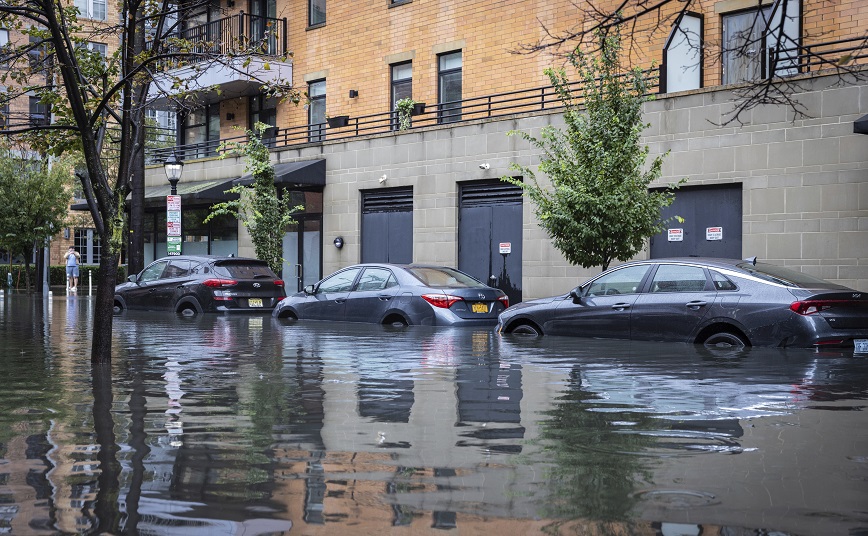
[
  {"x": 843, "y": 53},
  {"x": 238, "y": 34}
]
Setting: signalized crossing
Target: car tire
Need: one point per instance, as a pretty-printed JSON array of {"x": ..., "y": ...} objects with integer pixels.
[
  {"x": 187, "y": 310},
  {"x": 395, "y": 321},
  {"x": 726, "y": 339},
  {"x": 118, "y": 307},
  {"x": 288, "y": 316},
  {"x": 526, "y": 330}
]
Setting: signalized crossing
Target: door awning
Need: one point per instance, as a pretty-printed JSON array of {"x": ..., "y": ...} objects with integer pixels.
[
  {"x": 192, "y": 193},
  {"x": 860, "y": 126},
  {"x": 301, "y": 174}
]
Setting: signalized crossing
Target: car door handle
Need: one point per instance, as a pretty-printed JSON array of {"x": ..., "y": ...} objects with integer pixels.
[
  {"x": 696, "y": 304},
  {"x": 152, "y": 290},
  {"x": 385, "y": 298},
  {"x": 340, "y": 300},
  {"x": 621, "y": 306}
]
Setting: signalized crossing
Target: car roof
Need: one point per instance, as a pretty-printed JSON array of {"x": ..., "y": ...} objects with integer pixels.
[
  {"x": 708, "y": 261},
  {"x": 207, "y": 258}
]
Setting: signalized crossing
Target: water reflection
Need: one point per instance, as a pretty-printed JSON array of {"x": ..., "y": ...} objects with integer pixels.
[{"x": 229, "y": 425}]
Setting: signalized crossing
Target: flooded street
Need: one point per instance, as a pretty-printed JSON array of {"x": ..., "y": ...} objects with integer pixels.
[{"x": 246, "y": 425}]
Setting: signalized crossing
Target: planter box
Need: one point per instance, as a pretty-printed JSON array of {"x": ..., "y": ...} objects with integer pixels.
[
  {"x": 338, "y": 121},
  {"x": 418, "y": 108}
]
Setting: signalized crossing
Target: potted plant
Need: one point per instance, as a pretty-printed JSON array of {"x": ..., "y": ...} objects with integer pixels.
[
  {"x": 418, "y": 108},
  {"x": 338, "y": 121},
  {"x": 404, "y": 109}
]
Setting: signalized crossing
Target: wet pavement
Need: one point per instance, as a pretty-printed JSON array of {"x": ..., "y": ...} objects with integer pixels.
[{"x": 247, "y": 425}]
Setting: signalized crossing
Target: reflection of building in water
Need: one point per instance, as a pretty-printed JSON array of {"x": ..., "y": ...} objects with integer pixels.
[{"x": 24, "y": 489}]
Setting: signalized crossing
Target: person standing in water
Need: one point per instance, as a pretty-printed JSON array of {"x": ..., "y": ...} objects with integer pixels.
[{"x": 72, "y": 260}]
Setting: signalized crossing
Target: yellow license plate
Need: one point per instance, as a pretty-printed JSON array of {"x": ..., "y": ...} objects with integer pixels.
[
  {"x": 254, "y": 302},
  {"x": 479, "y": 307}
]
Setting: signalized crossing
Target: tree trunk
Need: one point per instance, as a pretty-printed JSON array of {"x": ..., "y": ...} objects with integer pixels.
[
  {"x": 136, "y": 251},
  {"x": 27, "y": 274},
  {"x": 103, "y": 311}
]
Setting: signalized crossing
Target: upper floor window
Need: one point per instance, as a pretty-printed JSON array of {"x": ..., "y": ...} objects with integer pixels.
[
  {"x": 201, "y": 130},
  {"x": 92, "y": 9},
  {"x": 681, "y": 69},
  {"x": 264, "y": 110},
  {"x": 316, "y": 12},
  {"x": 402, "y": 85},
  {"x": 316, "y": 111},
  {"x": 4, "y": 37},
  {"x": 759, "y": 43},
  {"x": 40, "y": 113},
  {"x": 449, "y": 86}
]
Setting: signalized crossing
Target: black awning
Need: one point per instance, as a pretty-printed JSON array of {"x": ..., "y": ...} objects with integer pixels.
[
  {"x": 305, "y": 173},
  {"x": 192, "y": 193},
  {"x": 860, "y": 126}
]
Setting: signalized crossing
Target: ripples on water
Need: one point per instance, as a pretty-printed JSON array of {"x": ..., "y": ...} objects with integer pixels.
[{"x": 231, "y": 425}]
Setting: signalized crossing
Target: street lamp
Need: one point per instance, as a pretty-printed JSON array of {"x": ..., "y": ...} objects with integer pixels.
[
  {"x": 174, "y": 240},
  {"x": 173, "y": 168}
]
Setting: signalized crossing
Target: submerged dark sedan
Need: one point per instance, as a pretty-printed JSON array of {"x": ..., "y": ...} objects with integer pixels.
[
  {"x": 192, "y": 284},
  {"x": 716, "y": 302},
  {"x": 397, "y": 294}
]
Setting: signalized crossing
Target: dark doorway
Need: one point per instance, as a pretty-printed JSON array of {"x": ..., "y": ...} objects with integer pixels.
[
  {"x": 490, "y": 216},
  {"x": 712, "y": 224},
  {"x": 387, "y": 225}
]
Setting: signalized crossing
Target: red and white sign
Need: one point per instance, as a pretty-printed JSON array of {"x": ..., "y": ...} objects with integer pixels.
[
  {"x": 676, "y": 235},
  {"x": 505, "y": 248},
  {"x": 714, "y": 233},
  {"x": 173, "y": 202}
]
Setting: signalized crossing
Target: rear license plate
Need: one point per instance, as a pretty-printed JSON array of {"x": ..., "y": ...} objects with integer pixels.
[
  {"x": 479, "y": 307},
  {"x": 861, "y": 346},
  {"x": 254, "y": 302}
]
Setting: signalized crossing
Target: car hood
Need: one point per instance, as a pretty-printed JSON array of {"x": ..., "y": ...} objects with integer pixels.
[{"x": 533, "y": 303}]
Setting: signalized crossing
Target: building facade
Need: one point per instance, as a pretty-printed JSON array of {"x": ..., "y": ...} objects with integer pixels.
[{"x": 788, "y": 189}]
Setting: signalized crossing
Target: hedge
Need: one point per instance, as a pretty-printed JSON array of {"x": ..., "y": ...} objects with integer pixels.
[{"x": 56, "y": 275}]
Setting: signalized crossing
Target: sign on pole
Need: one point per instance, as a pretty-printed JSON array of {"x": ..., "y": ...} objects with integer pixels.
[
  {"x": 505, "y": 248},
  {"x": 173, "y": 225}
]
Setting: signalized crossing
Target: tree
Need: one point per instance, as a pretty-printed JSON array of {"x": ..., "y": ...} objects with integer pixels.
[
  {"x": 98, "y": 102},
  {"x": 264, "y": 214},
  {"x": 769, "y": 32},
  {"x": 35, "y": 199},
  {"x": 599, "y": 208}
]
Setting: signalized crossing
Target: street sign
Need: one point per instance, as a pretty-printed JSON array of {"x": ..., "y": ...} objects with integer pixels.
[
  {"x": 676, "y": 235},
  {"x": 173, "y": 245},
  {"x": 173, "y": 225},
  {"x": 505, "y": 248},
  {"x": 714, "y": 233},
  {"x": 173, "y": 202}
]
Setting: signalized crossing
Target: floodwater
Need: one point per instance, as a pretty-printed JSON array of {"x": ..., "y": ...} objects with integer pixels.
[{"x": 246, "y": 425}]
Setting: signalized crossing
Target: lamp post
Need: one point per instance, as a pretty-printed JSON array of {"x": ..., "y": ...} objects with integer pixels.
[{"x": 173, "y": 167}]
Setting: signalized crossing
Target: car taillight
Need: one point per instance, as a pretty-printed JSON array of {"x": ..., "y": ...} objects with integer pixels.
[
  {"x": 809, "y": 307},
  {"x": 441, "y": 300},
  {"x": 219, "y": 283},
  {"x": 278, "y": 282},
  {"x": 505, "y": 301}
]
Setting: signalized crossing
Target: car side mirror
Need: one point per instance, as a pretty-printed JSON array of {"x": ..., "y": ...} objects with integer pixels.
[
  {"x": 132, "y": 278},
  {"x": 310, "y": 289},
  {"x": 576, "y": 294}
]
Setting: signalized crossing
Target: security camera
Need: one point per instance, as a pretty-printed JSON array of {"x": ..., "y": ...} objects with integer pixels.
[{"x": 484, "y": 166}]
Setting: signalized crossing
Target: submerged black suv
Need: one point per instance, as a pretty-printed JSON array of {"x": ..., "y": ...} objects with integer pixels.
[{"x": 190, "y": 285}]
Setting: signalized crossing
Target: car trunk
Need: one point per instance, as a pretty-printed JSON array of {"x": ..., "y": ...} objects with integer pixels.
[
  {"x": 842, "y": 310},
  {"x": 478, "y": 303}
]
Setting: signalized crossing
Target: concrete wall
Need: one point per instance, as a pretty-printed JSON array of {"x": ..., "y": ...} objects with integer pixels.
[{"x": 804, "y": 182}]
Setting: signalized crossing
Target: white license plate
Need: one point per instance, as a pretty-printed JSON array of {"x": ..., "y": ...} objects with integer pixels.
[
  {"x": 861, "y": 346},
  {"x": 479, "y": 307},
  {"x": 254, "y": 302}
]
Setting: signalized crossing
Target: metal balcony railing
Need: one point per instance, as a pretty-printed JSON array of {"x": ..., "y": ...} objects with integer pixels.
[{"x": 816, "y": 57}]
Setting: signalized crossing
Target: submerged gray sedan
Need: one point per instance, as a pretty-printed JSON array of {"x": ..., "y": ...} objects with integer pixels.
[
  {"x": 715, "y": 302},
  {"x": 397, "y": 294}
]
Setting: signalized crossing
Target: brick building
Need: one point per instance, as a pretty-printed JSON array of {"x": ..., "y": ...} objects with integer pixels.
[{"x": 788, "y": 189}]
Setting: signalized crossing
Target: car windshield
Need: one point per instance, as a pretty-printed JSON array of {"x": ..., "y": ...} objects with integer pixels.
[
  {"x": 244, "y": 270},
  {"x": 444, "y": 278},
  {"x": 785, "y": 276}
]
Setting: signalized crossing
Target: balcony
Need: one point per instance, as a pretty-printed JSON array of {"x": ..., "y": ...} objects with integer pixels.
[{"x": 220, "y": 59}]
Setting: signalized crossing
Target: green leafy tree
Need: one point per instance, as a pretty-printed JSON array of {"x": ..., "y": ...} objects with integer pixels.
[
  {"x": 265, "y": 215},
  {"x": 599, "y": 207},
  {"x": 35, "y": 199}
]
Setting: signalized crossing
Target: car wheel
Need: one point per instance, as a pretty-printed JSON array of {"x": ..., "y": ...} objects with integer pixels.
[
  {"x": 395, "y": 321},
  {"x": 187, "y": 310},
  {"x": 725, "y": 339},
  {"x": 526, "y": 330},
  {"x": 289, "y": 316},
  {"x": 117, "y": 308}
]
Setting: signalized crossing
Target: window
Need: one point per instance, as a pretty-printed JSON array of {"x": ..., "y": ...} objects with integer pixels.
[
  {"x": 623, "y": 281},
  {"x": 374, "y": 279},
  {"x": 721, "y": 282},
  {"x": 754, "y": 37},
  {"x": 201, "y": 127},
  {"x": 677, "y": 278},
  {"x": 40, "y": 113},
  {"x": 91, "y": 9},
  {"x": 99, "y": 48},
  {"x": 153, "y": 272},
  {"x": 316, "y": 12},
  {"x": 682, "y": 55},
  {"x": 402, "y": 86},
  {"x": 340, "y": 282},
  {"x": 87, "y": 243},
  {"x": 449, "y": 87},
  {"x": 316, "y": 110},
  {"x": 264, "y": 110}
]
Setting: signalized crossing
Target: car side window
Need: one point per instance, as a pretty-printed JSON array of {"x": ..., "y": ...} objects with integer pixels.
[
  {"x": 721, "y": 282},
  {"x": 623, "y": 281},
  {"x": 376, "y": 279},
  {"x": 153, "y": 272},
  {"x": 339, "y": 282},
  {"x": 176, "y": 269},
  {"x": 678, "y": 278}
]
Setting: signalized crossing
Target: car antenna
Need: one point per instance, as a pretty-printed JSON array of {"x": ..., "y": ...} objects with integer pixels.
[{"x": 751, "y": 260}]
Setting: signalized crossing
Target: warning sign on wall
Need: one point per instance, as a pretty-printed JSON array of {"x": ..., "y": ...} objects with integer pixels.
[
  {"x": 676, "y": 235},
  {"x": 714, "y": 233}
]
